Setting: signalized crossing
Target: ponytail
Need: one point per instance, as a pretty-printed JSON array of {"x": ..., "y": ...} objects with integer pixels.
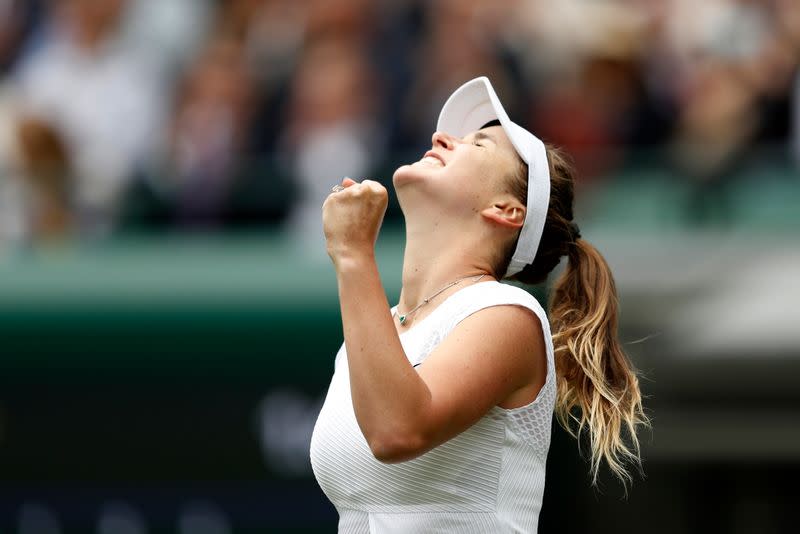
[{"x": 597, "y": 387}]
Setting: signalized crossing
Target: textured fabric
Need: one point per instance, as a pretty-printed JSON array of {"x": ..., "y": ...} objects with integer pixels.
[{"x": 489, "y": 478}]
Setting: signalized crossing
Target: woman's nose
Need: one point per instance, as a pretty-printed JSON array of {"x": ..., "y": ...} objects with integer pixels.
[{"x": 443, "y": 140}]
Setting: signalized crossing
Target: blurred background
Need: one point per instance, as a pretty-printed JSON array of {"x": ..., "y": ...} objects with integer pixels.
[{"x": 168, "y": 317}]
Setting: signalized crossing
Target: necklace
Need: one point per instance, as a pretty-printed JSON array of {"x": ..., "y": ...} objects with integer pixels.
[{"x": 427, "y": 300}]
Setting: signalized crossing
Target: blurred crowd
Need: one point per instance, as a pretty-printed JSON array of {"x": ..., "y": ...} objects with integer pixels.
[{"x": 184, "y": 114}]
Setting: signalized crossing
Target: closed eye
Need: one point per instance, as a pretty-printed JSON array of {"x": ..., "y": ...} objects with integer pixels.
[{"x": 481, "y": 136}]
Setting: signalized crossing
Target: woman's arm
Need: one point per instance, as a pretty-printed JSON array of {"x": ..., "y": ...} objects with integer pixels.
[
  {"x": 404, "y": 412},
  {"x": 389, "y": 397}
]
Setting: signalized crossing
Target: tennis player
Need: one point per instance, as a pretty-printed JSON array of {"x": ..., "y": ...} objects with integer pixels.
[{"x": 439, "y": 412}]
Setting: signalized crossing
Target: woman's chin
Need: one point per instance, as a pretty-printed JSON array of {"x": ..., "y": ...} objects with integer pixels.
[
  {"x": 410, "y": 173},
  {"x": 403, "y": 175}
]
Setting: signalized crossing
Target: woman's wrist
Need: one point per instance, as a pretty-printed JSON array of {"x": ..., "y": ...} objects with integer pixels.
[{"x": 353, "y": 261}]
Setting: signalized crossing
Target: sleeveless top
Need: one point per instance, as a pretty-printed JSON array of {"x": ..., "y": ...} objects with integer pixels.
[{"x": 488, "y": 479}]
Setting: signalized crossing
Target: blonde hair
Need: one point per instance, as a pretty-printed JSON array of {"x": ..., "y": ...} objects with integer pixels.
[{"x": 597, "y": 386}]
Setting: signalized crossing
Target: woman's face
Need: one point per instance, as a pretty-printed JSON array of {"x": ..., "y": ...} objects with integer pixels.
[{"x": 462, "y": 173}]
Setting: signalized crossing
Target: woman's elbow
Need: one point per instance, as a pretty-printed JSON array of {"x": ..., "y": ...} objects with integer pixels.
[{"x": 397, "y": 448}]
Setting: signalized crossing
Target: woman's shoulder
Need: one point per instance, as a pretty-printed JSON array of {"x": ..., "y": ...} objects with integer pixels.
[
  {"x": 489, "y": 294},
  {"x": 494, "y": 292}
]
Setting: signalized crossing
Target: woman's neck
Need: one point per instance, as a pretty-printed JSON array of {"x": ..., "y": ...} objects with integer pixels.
[{"x": 432, "y": 260}]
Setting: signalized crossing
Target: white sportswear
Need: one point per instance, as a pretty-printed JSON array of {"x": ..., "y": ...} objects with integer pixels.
[{"x": 488, "y": 479}]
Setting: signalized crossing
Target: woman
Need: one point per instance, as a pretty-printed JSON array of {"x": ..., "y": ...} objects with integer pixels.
[{"x": 438, "y": 415}]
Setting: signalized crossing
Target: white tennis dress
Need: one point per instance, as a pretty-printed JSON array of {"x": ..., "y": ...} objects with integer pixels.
[{"x": 488, "y": 479}]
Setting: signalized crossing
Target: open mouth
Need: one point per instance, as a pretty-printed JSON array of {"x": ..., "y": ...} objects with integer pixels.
[{"x": 432, "y": 159}]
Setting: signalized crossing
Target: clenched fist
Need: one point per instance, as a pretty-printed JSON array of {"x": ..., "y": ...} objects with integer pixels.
[{"x": 352, "y": 217}]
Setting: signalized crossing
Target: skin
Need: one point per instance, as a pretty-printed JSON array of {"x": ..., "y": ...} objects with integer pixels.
[{"x": 458, "y": 217}]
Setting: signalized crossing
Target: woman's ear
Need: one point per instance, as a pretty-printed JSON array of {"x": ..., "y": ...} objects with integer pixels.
[{"x": 508, "y": 214}]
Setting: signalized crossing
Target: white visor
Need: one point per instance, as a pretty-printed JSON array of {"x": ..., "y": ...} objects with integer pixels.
[{"x": 468, "y": 109}]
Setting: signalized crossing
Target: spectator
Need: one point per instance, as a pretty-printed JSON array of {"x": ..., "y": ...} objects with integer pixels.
[
  {"x": 108, "y": 105},
  {"x": 35, "y": 179},
  {"x": 209, "y": 132},
  {"x": 333, "y": 128},
  {"x": 222, "y": 90},
  {"x": 46, "y": 169}
]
